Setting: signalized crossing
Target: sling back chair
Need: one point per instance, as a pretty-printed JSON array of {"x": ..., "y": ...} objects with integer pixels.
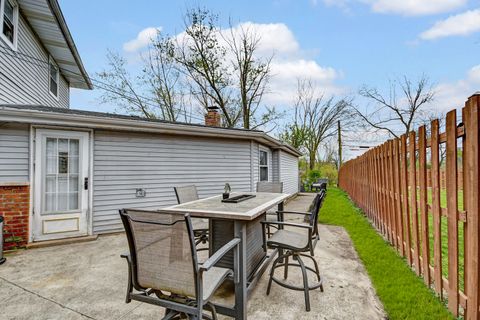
[
  {"x": 200, "y": 226},
  {"x": 273, "y": 187},
  {"x": 163, "y": 267},
  {"x": 297, "y": 244}
]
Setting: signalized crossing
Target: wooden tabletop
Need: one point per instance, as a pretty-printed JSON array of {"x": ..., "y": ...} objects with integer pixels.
[{"x": 213, "y": 207}]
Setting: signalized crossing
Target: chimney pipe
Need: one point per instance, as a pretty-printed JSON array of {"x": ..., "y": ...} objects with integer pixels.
[{"x": 212, "y": 118}]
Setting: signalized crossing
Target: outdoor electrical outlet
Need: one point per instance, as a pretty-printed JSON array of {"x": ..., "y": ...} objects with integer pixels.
[{"x": 140, "y": 193}]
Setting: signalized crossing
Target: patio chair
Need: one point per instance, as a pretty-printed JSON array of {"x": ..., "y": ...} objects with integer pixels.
[
  {"x": 163, "y": 266},
  {"x": 320, "y": 184},
  {"x": 295, "y": 244},
  {"x": 200, "y": 226},
  {"x": 274, "y": 187}
]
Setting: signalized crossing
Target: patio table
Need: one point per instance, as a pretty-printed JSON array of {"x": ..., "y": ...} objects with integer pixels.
[{"x": 241, "y": 220}]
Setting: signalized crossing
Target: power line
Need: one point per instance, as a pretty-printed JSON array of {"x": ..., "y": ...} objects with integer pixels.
[{"x": 100, "y": 84}]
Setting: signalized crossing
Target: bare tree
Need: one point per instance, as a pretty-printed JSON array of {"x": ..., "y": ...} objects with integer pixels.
[
  {"x": 252, "y": 73},
  {"x": 202, "y": 57},
  {"x": 203, "y": 64},
  {"x": 315, "y": 118},
  {"x": 155, "y": 93},
  {"x": 119, "y": 87},
  {"x": 391, "y": 112},
  {"x": 160, "y": 74}
]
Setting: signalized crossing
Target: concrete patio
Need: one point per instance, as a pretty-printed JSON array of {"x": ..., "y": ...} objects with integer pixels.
[{"x": 88, "y": 281}]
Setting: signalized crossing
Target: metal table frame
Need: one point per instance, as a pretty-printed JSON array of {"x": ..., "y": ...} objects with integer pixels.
[{"x": 242, "y": 286}]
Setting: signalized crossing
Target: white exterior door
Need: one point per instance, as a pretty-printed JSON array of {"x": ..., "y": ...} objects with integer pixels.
[{"x": 61, "y": 184}]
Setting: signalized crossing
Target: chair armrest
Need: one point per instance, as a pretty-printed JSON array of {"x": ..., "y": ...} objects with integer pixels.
[
  {"x": 210, "y": 262},
  {"x": 304, "y": 226},
  {"x": 295, "y": 212}
]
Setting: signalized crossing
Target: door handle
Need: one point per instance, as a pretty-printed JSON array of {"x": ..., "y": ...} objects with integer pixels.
[{"x": 85, "y": 183}]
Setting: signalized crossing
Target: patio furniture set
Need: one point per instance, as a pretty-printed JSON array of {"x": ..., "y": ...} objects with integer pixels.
[{"x": 164, "y": 264}]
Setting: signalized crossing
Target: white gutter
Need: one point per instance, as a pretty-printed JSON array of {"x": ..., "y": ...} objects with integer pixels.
[{"x": 11, "y": 114}]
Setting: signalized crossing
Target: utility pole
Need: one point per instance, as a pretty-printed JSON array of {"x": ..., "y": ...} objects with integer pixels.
[{"x": 339, "y": 145}]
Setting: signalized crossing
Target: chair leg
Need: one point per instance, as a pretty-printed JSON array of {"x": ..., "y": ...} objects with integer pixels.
[
  {"x": 317, "y": 270},
  {"x": 130, "y": 285},
  {"x": 211, "y": 307},
  {"x": 305, "y": 283},
  {"x": 272, "y": 271},
  {"x": 285, "y": 270},
  {"x": 171, "y": 315}
]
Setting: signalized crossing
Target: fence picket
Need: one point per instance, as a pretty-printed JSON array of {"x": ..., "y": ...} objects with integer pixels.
[
  {"x": 436, "y": 208},
  {"x": 472, "y": 204},
  {"x": 422, "y": 158},
  {"x": 405, "y": 206},
  {"x": 452, "y": 212},
  {"x": 413, "y": 201},
  {"x": 397, "y": 195}
]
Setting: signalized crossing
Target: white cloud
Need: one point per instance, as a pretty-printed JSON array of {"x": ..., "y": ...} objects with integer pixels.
[
  {"x": 142, "y": 40},
  {"x": 405, "y": 7},
  {"x": 414, "y": 7},
  {"x": 283, "y": 86},
  {"x": 288, "y": 64},
  {"x": 275, "y": 37},
  {"x": 453, "y": 95},
  {"x": 458, "y": 25}
]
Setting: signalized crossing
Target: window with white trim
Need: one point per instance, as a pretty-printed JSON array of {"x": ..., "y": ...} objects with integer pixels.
[
  {"x": 53, "y": 77},
  {"x": 263, "y": 164},
  {"x": 9, "y": 22}
]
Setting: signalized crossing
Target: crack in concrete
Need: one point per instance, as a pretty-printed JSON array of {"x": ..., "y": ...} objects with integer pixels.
[{"x": 45, "y": 298}]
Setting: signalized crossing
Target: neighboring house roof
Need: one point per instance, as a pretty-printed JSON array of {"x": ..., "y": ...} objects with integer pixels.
[
  {"x": 109, "y": 121},
  {"x": 48, "y": 23}
]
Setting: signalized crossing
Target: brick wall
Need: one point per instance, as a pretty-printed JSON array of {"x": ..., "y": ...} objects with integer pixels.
[{"x": 14, "y": 207}]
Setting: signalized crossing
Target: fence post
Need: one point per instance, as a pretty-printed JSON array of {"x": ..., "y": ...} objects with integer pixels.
[{"x": 472, "y": 205}]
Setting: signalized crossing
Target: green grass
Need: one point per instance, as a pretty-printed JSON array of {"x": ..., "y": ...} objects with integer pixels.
[{"x": 403, "y": 294}]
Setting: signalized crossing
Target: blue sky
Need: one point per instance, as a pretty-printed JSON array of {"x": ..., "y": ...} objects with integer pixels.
[{"x": 341, "y": 44}]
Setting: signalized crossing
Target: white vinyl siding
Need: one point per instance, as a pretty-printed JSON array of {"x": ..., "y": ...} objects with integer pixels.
[
  {"x": 14, "y": 153},
  {"x": 275, "y": 166},
  {"x": 288, "y": 165},
  {"x": 24, "y": 74},
  {"x": 124, "y": 162}
]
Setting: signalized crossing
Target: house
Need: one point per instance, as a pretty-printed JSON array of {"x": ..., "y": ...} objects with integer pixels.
[
  {"x": 65, "y": 173},
  {"x": 39, "y": 62},
  {"x": 75, "y": 169}
]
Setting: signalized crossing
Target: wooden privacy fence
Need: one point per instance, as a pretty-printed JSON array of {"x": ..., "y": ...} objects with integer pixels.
[{"x": 434, "y": 226}]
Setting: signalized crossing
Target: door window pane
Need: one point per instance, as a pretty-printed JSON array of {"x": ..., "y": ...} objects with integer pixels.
[
  {"x": 73, "y": 201},
  {"x": 73, "y": 184},
  {"x": 50, "y": 201},
  {"x": 62, "y": 201},
  {"x": 63, "y": 162},
  {"x": 61, "y": 175},
  {"x": 51, "y": 184}
]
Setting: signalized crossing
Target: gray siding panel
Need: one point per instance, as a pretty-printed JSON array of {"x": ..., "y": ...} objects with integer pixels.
[
  {"x": 288, "y": 172},
  {"x": 157, "y": 163},
  {"x": 24, "y": 77},
  {"x": 14, "y": 153},
  {"x": 276, "y": 166}
]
